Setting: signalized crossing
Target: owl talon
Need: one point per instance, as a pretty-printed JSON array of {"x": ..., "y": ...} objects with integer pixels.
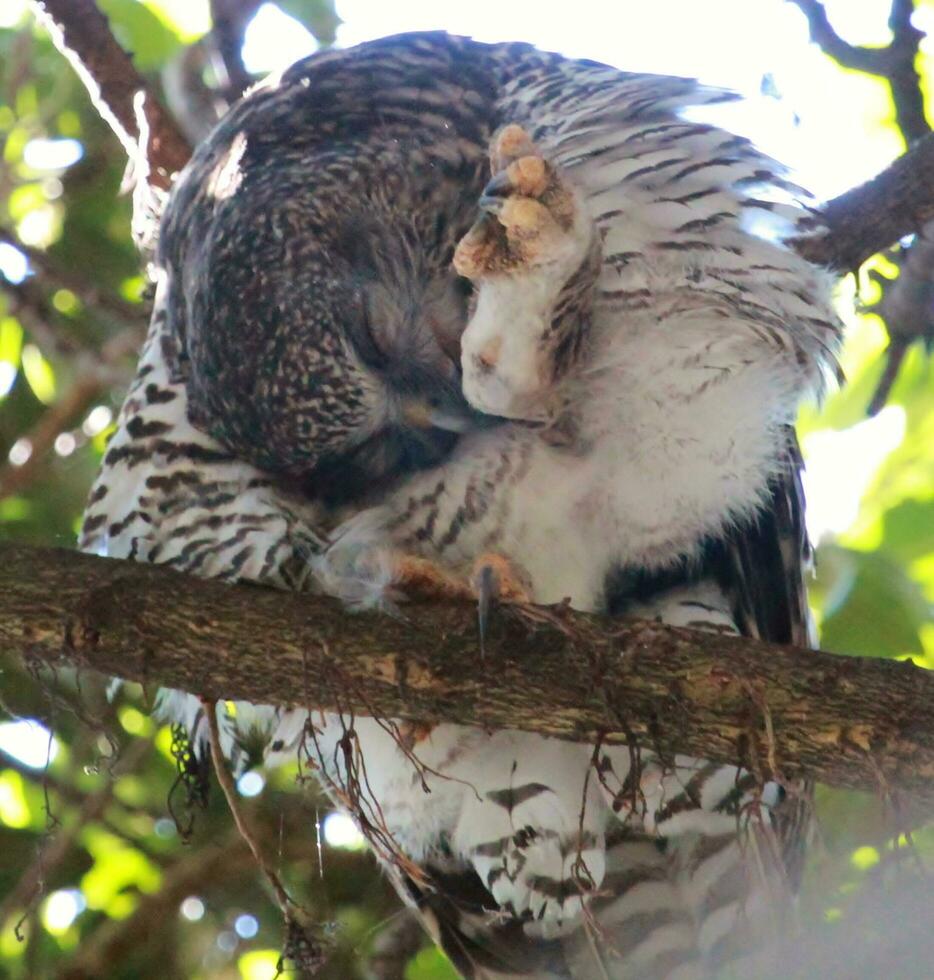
[
  {"x": 505, "y": 580},
  {"x": 486, "y": 588},
  {"x": 533, "y": 210},
  {"x": 529, "y": 176},
  {"x": 421, "y": 578},
  {"x": 491, "y": 203},
  {"x": 496, "y": 579}
]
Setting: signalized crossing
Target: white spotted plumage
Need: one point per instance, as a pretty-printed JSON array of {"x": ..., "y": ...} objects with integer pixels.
[{"x": 680, "y": 474}]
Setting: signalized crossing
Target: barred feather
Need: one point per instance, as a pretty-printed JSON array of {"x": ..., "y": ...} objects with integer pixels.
[{"x": 306, "y": 294}]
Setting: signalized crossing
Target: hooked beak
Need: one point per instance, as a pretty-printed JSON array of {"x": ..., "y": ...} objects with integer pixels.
[{"x": 420, "y": 414}]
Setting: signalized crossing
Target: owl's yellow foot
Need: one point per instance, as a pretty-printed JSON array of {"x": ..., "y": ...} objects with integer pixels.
[
  {"x": 493, "y": 576},
  {"x": 494, "y": 579},
  {"x": 422, "y": 579},
  {"x": 501, "y": 578},
  {"x": 527, "y": 212}
]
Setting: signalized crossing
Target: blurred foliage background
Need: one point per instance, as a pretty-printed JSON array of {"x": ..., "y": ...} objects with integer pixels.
[{"x": 97, "y": 878}]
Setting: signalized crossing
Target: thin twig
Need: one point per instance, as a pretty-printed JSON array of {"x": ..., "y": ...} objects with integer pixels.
[
  {"x": 61, "y": 415},
  {"x": 288, "y": 907}
]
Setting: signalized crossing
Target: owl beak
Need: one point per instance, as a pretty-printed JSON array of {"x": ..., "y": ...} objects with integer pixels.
[
  {"x": 451, "y": 422},
  {"x": 419, "y": 414}
]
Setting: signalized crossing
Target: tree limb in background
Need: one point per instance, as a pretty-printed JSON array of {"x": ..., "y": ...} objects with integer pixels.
[
  {"x": 907, "y": 304},
  {"x": 869, "y": 218},
  {"x": 81, "y": 32},
  {"x": 65, "y": 413},
  {"x": 844, "y": 721},
  {"x": 395, "y": 946},
  {"x": 895, "y": 62},
  {"x": 56, "y": 273},
  {"x": 230, "y": 18}
]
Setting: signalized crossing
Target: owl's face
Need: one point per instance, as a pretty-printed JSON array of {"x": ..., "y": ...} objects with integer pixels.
[
  {"x": 345, "y": 376},
  {"x": 315, "y": 301},
  {"x": 402, "y": 340}
]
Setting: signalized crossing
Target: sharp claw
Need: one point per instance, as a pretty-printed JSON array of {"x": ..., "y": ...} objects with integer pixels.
[
  {"x": 490, "y": 203},
  {"x": 499, "y": 185},
  {"x": 486, "y": 590}
]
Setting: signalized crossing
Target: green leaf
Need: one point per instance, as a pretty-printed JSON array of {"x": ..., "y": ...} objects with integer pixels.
[
  {"x": 147, "y": 37},
  {"x": 908, "y": 530},
  {"x": 430, "y": 964},
  {"x": 11, "y": 340},
  {"x": 39, "y": 374},
  {"x": 116, "y": 868},
  {"x": 882, "y": 610}
]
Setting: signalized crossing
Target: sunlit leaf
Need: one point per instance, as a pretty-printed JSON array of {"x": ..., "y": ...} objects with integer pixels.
[
  {"x": 69, "y": 124},
  {"x": 11, "y": 340},
  {"x": 11, "y": 945},
  {"x": 117, "y": 867},
  {"x": 27, "y": 100},
  {"x": 134, "y": 721},
  {"x": 188, "y": 19},
  {"x": 150, "y": 38},
  {"x": 25, "y": 198},
  {"x": 864, "y": 858},
  {"x": 14, "y": 509},
  {"x": 39, "y": 374},
  {"x": 882, "y": 611},
  {"x": 16, "y": 141},
  {"x": 259, "y": 964},
  {"x": 908, "y": 530},
  {"x": 430, "y": 964},
  {"x": 65, "y": 301},
  {"x": 14, "y": 810}
]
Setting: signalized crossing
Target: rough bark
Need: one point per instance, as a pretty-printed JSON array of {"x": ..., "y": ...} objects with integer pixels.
[
  {"x": 81, "y": 32},
  {"x": 870, "y": 217},
  {"x": 844, "y": 721}
]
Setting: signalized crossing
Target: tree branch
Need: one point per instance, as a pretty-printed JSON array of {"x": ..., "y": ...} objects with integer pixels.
[
  {"x": 843, "y": 721},
  {"x": 906, "y": 304},
  {"x": 81, "y": 32},
  {"x": 870, "y": 217},
  {"x": 871, "y": 60},
  {"x": 230, "y": 19}
]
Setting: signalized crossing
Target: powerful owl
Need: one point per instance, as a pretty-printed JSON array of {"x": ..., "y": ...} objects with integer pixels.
[{"x": 529, "y": 325}]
